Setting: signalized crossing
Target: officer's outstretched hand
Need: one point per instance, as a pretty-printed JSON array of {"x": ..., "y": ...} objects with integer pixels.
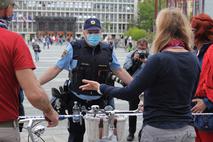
[
  {"x": 89, "y": 85},
  {"x": 52, "y": 118}
]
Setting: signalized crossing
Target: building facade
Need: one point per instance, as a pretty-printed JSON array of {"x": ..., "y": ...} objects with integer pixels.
[
  {"x": 208, "y": 4},
  {"x": 193, "y": 7},
  {"x": 115, "y": 15}
]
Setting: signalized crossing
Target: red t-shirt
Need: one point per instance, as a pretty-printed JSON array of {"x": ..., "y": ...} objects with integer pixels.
[
  {"x": 14, "y": 55},
  {"x": 205, "y": 84}
]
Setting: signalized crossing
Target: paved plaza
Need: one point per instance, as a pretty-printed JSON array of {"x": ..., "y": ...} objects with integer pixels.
[{"x": 48, "y": 57}]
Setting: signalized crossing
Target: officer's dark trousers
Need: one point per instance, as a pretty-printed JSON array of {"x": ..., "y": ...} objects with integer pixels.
[
  {"x": 76, "y": 131},
  {"x": 133, "y": 105}
]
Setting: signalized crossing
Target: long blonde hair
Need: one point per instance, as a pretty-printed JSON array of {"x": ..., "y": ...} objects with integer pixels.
[{"x": 171, "y": 23}]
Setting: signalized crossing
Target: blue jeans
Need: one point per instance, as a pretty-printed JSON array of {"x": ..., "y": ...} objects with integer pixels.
[{"x": 36, "y": 56}]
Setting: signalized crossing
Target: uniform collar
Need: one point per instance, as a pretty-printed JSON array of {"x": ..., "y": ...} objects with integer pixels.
[{"x": 87, "y": 46}]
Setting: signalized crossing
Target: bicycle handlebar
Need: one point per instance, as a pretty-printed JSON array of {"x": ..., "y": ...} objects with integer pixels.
[{"x": 23, "y": 119}]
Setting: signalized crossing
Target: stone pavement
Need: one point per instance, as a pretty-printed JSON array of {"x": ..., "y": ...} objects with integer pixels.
[{"x": 48, "y": 57}]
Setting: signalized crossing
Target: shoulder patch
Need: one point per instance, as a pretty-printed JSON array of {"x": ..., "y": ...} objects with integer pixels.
[
  {"x": 104, "y": 45},
  {"x": 77, "y": 43},
  {"x": 64, "y": 53}
]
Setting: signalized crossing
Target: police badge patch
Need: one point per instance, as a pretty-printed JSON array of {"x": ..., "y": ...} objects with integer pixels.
[
  {"x": 64, "y": 53},
  {"x": 92, "y": 22}
]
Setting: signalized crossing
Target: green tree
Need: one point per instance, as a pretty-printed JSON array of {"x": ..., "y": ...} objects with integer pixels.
[
  {"x": 106, "y": 25},
  {"x": 136, "y": 33},
  {"x": 146, "y": 14}
]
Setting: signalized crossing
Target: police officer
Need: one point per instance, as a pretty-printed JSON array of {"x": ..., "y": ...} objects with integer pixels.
[{"x": 88, "y": 58}]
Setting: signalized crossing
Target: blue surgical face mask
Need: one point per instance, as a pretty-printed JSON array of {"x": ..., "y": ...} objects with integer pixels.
[{"x": 93, "y": 39}]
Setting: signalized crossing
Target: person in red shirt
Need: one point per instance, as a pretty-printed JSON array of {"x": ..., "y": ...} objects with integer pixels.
[
  {"x": 16, "y": 72},
  {"x": 202, "y": 26}
]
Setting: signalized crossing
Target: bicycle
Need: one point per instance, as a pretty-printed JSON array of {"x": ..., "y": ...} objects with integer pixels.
[{"x": 35, "y": 131}]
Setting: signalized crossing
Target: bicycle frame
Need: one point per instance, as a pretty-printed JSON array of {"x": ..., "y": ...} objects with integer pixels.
[
  {"x": 31, "y": 120},
  {"x": 30, "y": 124},
  {"x": 95, "y": 111}
]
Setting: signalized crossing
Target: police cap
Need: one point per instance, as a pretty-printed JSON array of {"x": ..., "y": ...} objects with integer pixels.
[{"x": 92, "y": 24}]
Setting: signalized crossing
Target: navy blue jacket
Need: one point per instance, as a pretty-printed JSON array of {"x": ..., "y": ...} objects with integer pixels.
[{"x": 169, "y": 80}]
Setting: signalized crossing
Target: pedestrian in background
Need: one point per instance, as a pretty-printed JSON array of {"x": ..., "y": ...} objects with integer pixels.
[
  {"x": 168, "y": 80},
  {"x": 134, "y": 62},
  {"x": 47, "y": 41},
  {"x": 44, "y": 42},
  {"x": 202, "y": 26},
  {"x": 129, "y": 44},
  {"x": 16, "y": 72},
  {"x": 37, "y": 50}
]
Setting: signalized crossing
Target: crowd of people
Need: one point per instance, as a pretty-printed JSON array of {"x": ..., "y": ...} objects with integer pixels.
[
  {"x": 175, "y": 78},
  {"x": 47, "y": 40}
]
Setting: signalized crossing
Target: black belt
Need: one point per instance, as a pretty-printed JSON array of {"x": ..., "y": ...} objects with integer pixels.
[{"x": 8, "y": 124}]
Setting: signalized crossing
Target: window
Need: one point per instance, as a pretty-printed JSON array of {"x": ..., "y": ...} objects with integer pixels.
[{"x": 29, "y": 26}]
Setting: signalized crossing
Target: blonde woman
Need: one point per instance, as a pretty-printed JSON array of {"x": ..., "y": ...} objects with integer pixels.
[{"x": 168, "y": 80}]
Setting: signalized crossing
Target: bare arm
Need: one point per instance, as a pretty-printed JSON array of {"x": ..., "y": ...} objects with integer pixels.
[
  {"x": 36, "y": 95},
  {"x": 51, "y": 73},
  {"x": 123, "y": 75}
]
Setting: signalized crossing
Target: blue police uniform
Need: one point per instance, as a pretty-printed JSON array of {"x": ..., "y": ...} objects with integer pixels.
[
  {"x": 66, "y": 62},
  {"x": 84, "y": 62},
  {"x": 69, "y": 63}
]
